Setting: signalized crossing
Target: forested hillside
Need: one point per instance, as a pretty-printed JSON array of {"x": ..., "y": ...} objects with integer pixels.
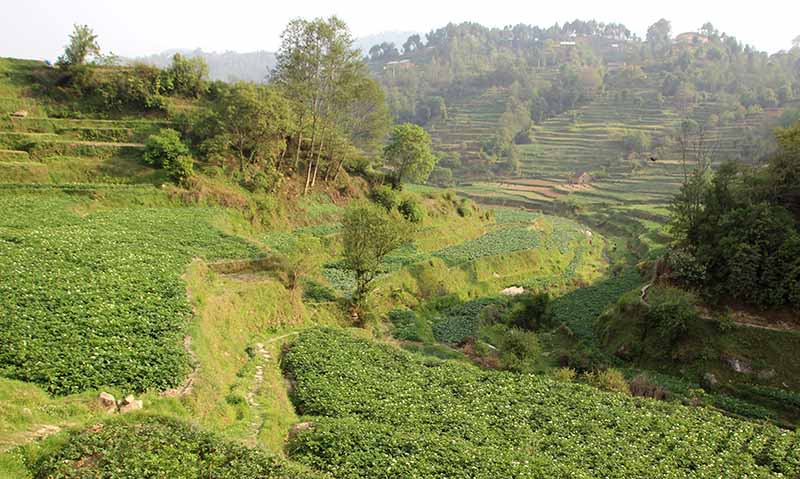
[{"x": 588, "y": 96}]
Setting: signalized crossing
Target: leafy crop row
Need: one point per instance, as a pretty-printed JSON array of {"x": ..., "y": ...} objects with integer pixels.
[
  {"x": 381, "y": 412},
  {"x": 98, "y": 300},
  {"x": 507, "y": 240},
  {"x": 457, "y": 323},
  {"x": 160, "y": 447},
  {"x": 514, "y": 215}
]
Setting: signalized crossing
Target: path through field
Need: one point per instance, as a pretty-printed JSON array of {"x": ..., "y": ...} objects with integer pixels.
[{"x": 263, "y": 358}]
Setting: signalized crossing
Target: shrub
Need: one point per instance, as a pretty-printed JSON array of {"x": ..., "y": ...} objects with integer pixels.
[
  {"x": 163, "y": 148},
  {"x": 465, "y": 208},
  {"x": 642, "y": 386},
  {"x": 317, "y": 293},
  {"x": 608, "y": 380},
  {"x": 181, "y": 168},
  {"x": 411, "y": 210},
  {"x": 686, "y": 268},
  {"x": 385, "y": 196},
  {"x": 262, "y": 180},
  {"x": 530, "y": 311},
  {"x": 670, "y": 314},
  {"x": 564, "y": 375},
  {"x": 517, "y": 349}
]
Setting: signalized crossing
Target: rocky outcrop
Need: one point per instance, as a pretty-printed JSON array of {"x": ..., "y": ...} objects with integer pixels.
[
  {"x": 130, "y": 404},
  {"x": 107, "y": 402}
]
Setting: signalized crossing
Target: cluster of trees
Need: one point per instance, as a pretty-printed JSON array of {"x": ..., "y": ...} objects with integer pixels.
[
  {"x": 714, "y": 65},
  {"x": 320, "y": 112},
  {"x": 467, "y": 58},
  {"x": 736, "y": 229},
  {"x": 87, "y": 77},
  {"x": 553, "y": 70}
]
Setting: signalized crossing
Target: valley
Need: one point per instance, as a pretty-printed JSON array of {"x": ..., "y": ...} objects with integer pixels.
[{"x": 231, "y": 280}]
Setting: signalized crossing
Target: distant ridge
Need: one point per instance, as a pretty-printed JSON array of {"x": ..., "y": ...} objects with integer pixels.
[
  {"x": 226, "y": 66},
  {"x": 397, "y": 37},
  {"x": 253, "y": 66}
]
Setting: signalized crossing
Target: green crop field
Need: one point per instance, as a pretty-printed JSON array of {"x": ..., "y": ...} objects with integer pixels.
[
  {"x": 375, "y": 409},
  {"x": 98, "y": 300}
]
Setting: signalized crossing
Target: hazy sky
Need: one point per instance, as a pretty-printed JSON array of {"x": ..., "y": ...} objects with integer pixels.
[{"x": 39, "y": 28}]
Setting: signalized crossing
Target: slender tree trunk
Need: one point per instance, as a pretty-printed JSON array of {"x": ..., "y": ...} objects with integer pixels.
[
  {"x": 330, "y": 169},
  {"x": 316, "y": 164},
  {"x": 338, "y": 169},
  {"x": 308, "y": 177},
  {"x": 319, "y": 157},
  {"x": 283, "y": 155},
  {"x": 299, "y": 147}
]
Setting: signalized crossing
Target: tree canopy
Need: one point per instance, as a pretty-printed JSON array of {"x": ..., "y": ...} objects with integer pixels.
[
  {"x": 370, "y": 232},
  {"x": 409, "y": 154},
  {"x": 82, "y": 46}
]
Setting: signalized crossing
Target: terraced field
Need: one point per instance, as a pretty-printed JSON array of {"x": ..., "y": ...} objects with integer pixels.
[{"x": 470, "y": 121}]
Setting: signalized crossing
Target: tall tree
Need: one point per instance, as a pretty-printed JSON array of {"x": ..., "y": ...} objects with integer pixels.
[
  {"x": 369, "y": 234},
  {"x": 409, "y": 154},
  {"x": 361, "y": 116},
  {"x": 82, "y": 45},
  {"x": 413, "y": 44},
  {"x": 313, "y": 64},
  {"x": 659, "y": 37}
]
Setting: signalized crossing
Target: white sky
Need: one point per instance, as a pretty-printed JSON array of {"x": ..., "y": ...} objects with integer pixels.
[{"x": 39, "y": 28}]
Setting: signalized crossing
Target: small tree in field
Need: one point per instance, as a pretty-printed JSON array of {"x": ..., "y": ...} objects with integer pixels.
[
  {"x": 369, "y": 234},
  {"x": 409, "y": 154},
  {"x": 82, "y": 44}
]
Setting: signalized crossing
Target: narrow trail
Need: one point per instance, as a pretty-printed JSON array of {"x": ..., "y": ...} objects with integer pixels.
[
  {"x": 262, "y": 357},
  {"x": 782, "y": 328},
  {"x": 100, "y": 143}
]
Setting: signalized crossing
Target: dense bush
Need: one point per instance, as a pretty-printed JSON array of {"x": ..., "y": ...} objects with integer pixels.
[
  {"x": 686, "y": 268},
  {"x": 670, "y": 314},
  {"x": 164, "y": 148},
  {"x": 518, "y": 350},
  {"x": 411, "y": 210},
  {"x": 181, "y": 168},
  {"x": 608, "y": 380},
  {"x": 380, "y": 412},
  {"x": 530, "y": 311},
  {"x": 385, "y": 196},
  {"x": 159, "y": 447}
]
